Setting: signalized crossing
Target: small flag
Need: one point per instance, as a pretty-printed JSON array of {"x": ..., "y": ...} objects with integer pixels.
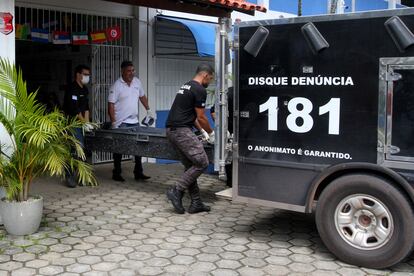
[
  {"x": 40, "y": 35},
  {"x": 113, "y": 33},
  {"x": 60, "y": 37},
  {"x": 50, "y": 24},
  {"x": 22, "y": 31},
  {"x": 80, "y": 38},
  {"x": 98, "y": 37}
]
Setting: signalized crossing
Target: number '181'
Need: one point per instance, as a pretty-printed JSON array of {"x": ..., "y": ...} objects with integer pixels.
[{"x": 332, "y": 108}]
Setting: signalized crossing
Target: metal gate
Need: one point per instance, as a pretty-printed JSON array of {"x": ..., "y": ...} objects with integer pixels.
[{"x": 106, "y": 69}]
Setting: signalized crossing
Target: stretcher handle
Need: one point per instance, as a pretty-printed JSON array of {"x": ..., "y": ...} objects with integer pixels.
[{"x": 142, "y": 138}]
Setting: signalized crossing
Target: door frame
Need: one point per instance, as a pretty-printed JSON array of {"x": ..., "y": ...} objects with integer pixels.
[{"x": 387, "y": 77}]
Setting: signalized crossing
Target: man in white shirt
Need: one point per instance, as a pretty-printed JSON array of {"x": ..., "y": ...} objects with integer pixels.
[{"x": 123, "y": 99}]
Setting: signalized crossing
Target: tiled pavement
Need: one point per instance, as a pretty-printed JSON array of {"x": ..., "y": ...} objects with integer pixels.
[{"x": 130, "y": 229}]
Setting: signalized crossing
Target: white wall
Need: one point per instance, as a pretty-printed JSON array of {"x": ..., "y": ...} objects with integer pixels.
[{"x": 7, "y": 42}]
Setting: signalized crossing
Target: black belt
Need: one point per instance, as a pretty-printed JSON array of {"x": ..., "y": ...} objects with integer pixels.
[{"x": 175, "y": 128}]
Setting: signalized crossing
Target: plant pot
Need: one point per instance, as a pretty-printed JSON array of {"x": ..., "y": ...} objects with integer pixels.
[{"x": 22, "y": 218}]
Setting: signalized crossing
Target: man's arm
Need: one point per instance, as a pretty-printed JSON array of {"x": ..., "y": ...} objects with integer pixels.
[
  {"x": 111, "y": 112},
  {"x": 144, "y": 101},
  {"x": 197, "y": 125},
  {"x": 86, "y": 116},
  {"x": 202, "y": 119}
]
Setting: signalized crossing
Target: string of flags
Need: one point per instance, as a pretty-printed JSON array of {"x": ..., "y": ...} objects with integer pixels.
[{"x": 43, "y": 35}]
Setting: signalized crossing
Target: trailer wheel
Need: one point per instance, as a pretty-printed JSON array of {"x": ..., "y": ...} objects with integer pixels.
[{"x": 366, "y": 221}]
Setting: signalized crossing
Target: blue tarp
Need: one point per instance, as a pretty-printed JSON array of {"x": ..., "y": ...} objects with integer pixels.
[
  {"x": 204, "y": 34},
  {"x": 314, "y": 7}
]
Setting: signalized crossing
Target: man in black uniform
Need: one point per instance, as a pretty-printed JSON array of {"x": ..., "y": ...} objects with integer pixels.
[
  {"x": 76, "y": 104},
  {"x": 186, "y": 111}
]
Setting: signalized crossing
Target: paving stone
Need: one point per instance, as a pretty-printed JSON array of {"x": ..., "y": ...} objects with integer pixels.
[
  {"x": 259, "y": 254},
  {"x": 276, "y": 270},
  {"x": 165, "y": 253},
  {"x": 208, "y": 257},
  {"x": 278, "y": 260},
  {"x": 23, "y": 243},
  {"x": 123, "y": 272},
  {"x": 300, "y": 258},
  {"x": 5, "y": 258},
  {"x": 228, "y": 264},
  {"x": 78, "y": 268},
  {"x": 178, "y": 269},
  {"x": 224, "y": 272},
  {"x": 97, "y": 251},
  {"x": 105, "y": 266},
  {"x": 132, "y": 264},
  {"x": 23, "y": 257},
  {"x": 377, "y": 271},
  {"x": 63, "y": 261},
  {"x": 300, "y": 267},
  {"x": 12, "y": 250},
  {"x": 324, "y": 265},
  {"x": 188, "y": 251},
  {"x": 95, "y": 273},
  {"x": 183, "y": 260},
  {"x": 202, "y": 267},
  {"x": 51, "y": 270},
  {"x": 50, "y": 256},
  {"x": 37, "y": 263},
  {"x": 350, "y": 271},
  {"x": 36, "y": 249},
  {"x": 139, "y": 256},
  {"x": 323, "y": 273},
  {"x": 10, "y": 266},
  {"x": 248, "y": 271},
  {"x": 235, "y": 248},
  {"x": 60, "y": 248},
  {"x": 23, "y": 272},
  {"x": 116, "y": 258},
  {"x": 157, "y": 262},
  {"x": 48, "y": 241},
  {"x": 89, "y": 260},
  {"x": 150, "y": 271}
]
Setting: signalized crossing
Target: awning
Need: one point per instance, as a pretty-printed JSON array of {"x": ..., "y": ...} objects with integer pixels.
[
  {"x": 315, "y": 7},
  {"x": 218, "y": 8},
  {"x": 204, "y": 34}
]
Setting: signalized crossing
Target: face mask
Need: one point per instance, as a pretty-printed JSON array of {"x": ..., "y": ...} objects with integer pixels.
[
  {"x": 85, "y": 79},
  {"x": 205, "y": 85}
]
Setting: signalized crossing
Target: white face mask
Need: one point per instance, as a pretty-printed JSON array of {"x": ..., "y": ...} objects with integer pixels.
[{"x": 85, "y": 79}]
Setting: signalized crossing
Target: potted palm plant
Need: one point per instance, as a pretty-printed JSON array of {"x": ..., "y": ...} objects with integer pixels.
[{"x": 33, "y": 142}]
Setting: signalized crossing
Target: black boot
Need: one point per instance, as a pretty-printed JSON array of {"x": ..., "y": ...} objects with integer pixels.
[
  {"x": 196, "y": 205},
  {"x": 176, "y": 196}
]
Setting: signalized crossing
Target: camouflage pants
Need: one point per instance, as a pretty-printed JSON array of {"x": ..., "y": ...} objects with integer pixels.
[{"x": 192, "y": 154}]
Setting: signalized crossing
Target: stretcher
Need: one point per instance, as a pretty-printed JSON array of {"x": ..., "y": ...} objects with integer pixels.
[{"x": 143, "y": 141}]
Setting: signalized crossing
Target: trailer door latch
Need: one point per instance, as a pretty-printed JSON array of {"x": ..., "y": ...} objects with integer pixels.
[
  {"x": 389, "y": 149},
  {"x": 392, "y": 76}
]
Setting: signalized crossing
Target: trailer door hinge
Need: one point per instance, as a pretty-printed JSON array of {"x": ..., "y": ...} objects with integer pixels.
[{"x": 392, "y": 76}]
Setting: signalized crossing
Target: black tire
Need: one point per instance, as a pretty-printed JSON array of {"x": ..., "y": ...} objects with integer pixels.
[{"x": 398, "y": 221}]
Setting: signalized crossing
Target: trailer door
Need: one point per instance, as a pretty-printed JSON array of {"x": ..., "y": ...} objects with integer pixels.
[{"x": 398, "y": 104}]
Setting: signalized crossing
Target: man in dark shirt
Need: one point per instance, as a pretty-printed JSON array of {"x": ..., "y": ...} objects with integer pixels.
[
  {"x": 76, "y": 104},
  {"x": 186, "y": 111}
]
